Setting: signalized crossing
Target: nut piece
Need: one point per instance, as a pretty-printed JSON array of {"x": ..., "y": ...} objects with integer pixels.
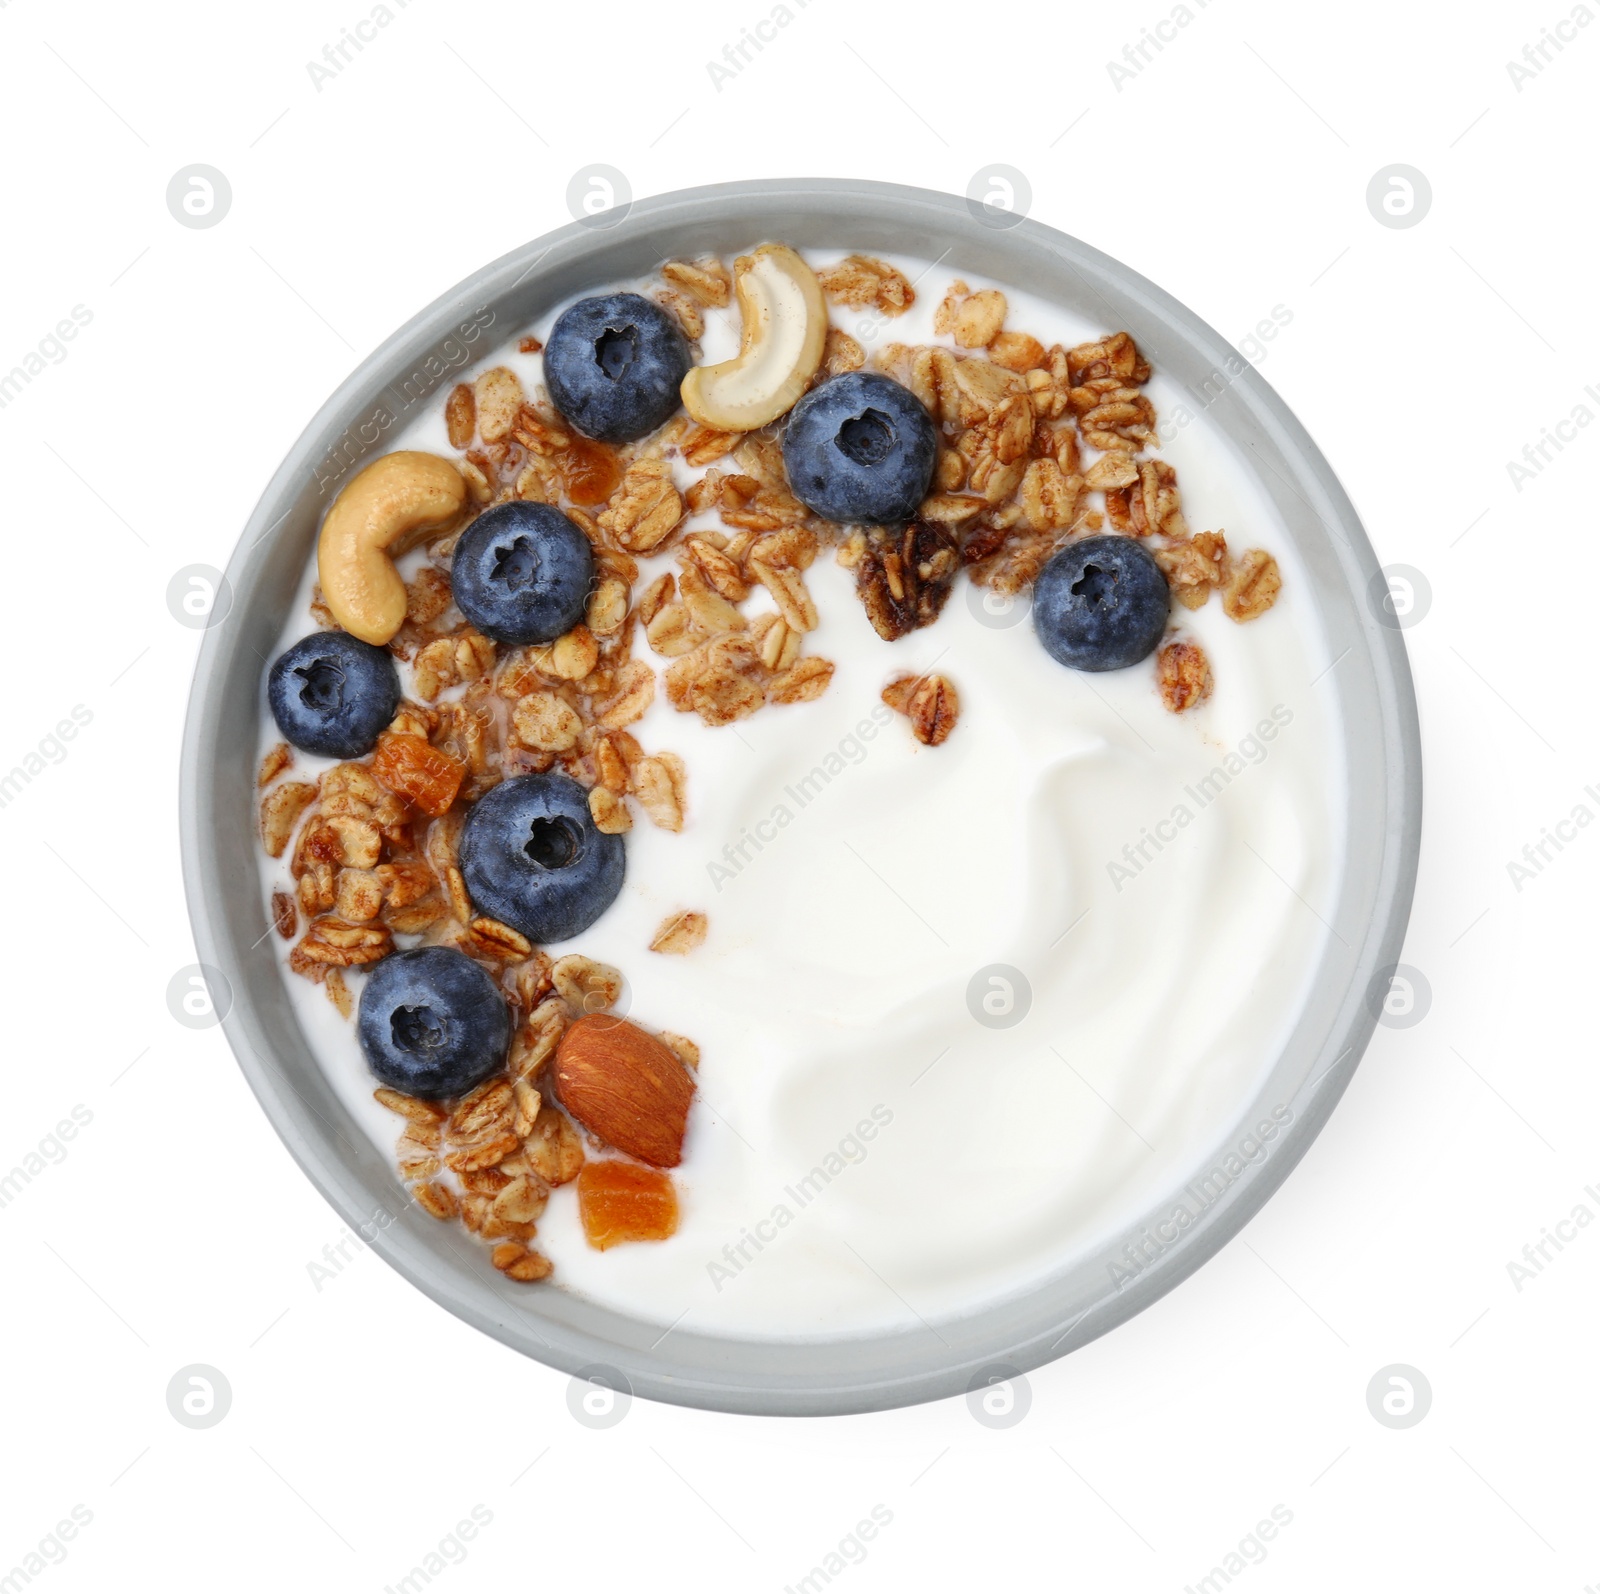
[
  {"x": 681, "y": 932},
  {"x": 784, "y": 327},
  {"x": 620, "y": 1201},
  {"x": 625, "y": 1087},
  {"x": 491, "y": 938},
  {"x": 384, "y": 509}
]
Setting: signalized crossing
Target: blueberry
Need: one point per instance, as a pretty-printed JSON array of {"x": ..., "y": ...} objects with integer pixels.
[
  {"x": 860, "y": 448},
  {"x": 432, "y": 1022},
  {"x": 533, "y": 858},
  {"x": 522, "y": 573},
  {"x": 332, "y": 693},
  {"x": 613, "y": 365},
  {"x": 1100, "y": 604}
]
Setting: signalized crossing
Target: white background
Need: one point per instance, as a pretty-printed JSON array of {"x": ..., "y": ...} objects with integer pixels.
[{"x": 365, "y": 1421}]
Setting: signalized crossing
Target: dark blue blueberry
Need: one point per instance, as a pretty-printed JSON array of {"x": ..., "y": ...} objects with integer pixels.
[
  {"x": 1100, "y": 604},
  {"x": 860, "y": 448},
  {"x": 533, "y": 859},
  {"x": 614, "y": 364},
  {"x": 432, "y": 1022},
  {"x": 332, "y": 693},
  {"x": 522, "y": 573}
]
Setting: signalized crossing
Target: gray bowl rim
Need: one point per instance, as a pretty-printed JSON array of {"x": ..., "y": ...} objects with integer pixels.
[{"x": 803, "y": 1377}]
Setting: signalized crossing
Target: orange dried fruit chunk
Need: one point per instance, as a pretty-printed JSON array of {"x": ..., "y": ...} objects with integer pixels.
[
  {"x": 622, "y": 1201},
  {"x": 419, "y": 772},
  {"x": 590, "y": 471}
]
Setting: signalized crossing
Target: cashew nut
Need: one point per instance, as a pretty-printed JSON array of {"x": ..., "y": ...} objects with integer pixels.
[
  {"x": 784, "y": 325},
  {"x": 383, "y": 510}
]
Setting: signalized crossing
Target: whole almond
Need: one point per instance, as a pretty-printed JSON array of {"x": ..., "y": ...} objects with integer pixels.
[{"x": 625, "y": 1087}]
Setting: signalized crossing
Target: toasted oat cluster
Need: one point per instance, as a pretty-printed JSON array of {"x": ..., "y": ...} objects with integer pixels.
[
  {"x": 1015, "y": 481},
  {"x": 375, "y": 860},
  {"x": 1036, "y": 446}
]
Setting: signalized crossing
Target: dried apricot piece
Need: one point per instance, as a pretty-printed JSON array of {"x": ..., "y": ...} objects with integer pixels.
[
  {"x": 621, "y": 1201},
  {"x": 421, "y": 773},
  {"x": 590, "y": 471}
]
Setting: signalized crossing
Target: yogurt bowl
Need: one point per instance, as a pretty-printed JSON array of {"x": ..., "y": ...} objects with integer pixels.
[{"x": 1311, "y": 923}]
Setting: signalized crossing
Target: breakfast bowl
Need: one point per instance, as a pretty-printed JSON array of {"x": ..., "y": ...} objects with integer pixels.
[{"x": 1198, "y": 1178}]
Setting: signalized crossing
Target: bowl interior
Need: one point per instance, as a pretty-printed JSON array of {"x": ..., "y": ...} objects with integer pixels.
[{"x": 1377, "y": 721}]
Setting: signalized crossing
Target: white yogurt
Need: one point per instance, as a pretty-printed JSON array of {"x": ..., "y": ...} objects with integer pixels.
[{"x": 863, "y": 1152}]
